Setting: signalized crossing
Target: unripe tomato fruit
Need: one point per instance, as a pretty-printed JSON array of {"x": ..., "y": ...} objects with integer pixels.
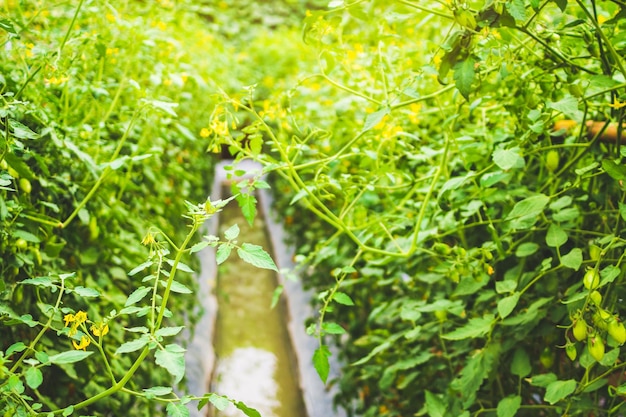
[
  {"x": 602, "y": 318},
  {"x": 591, "y": 280},
  {"x": 25, "y": 185},
  {"x": 594, "y": 252},
  {"x": 596, "y": 298},
  {"x": 595, "y": 345},
  {"x": 441, "y": 315},
  {"x": 570, "y": 350},
  {"x": 580, "y": 330},
  {"x": 547, "y": 358},
  {"x": 617, "y": 331},
  {"x": 21, "y": 243},
  {"x": 552, "y": 160}
]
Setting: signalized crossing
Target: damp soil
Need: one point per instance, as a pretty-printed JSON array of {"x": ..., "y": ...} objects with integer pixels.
[{"x": 255, "y": 360}]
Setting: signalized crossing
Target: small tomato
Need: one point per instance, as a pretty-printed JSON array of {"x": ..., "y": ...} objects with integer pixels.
[
  {"x": 547, "y": 357},
  {"x": 21, "y": 243},
  {"x": 591, "y": 280},
  {"x": 580, "y": 330},
  {"x": 552, "y": 160},
  {"x": 617, "y": 331},
  {"x": 25, "y": 185},
  {"x": 570, "y": 350},
  {"x": 596, "y": 298},
  {"x": 595, "y": 345}
]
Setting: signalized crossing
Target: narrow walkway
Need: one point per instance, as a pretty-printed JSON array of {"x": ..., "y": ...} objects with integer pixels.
[
  {"x": 201, "y": 355},
  {"x": 255, "y": 361}
]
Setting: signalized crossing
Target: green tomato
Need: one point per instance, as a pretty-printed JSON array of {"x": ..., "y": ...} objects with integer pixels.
[
  {"x": 617, "y": 331},
  {"x": 580, "y": 330},
  {"x": 547, "y": 358},
  {"x": 570, "y": 350},
  {"x": 594, "y": 252},
  {"x": 602, "y": 318},
  {"x": 591, "y": 280},
  {"x": 441, "y": 315},
  {"x": 596, "y": 298},
  {"x": 25, "y": 185},
  {"x": 552, "y": 160},
  {"x": 595, "y": 345},
  {"x": 21, "y": 243}
]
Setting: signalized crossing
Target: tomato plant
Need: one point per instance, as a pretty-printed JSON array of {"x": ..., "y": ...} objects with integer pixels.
[{"x": 453, "y": 170}]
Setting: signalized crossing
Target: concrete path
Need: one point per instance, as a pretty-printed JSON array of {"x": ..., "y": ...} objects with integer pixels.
[{"x": 200, "y": 356}]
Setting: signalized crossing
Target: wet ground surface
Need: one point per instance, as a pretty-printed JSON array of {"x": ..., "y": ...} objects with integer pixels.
[{"x": 254, "y": 359}]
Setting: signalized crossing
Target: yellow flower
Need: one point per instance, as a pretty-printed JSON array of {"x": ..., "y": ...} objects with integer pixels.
[
  {"x": 148, "y": 239},
  {"x": 617, "y": 104},
  {"x": 84, "y": 342},
  {"x": 80, "y": 318},
  {"x": 100, "y": 330},
  {"x": 68, "y": 318},
  {"x": 204, "y": 132}
]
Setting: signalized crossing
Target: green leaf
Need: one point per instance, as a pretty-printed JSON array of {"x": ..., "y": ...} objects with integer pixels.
[
  {"x": 558, "y": 390},
  {"x": 13, "y": 384},
  {"x": 177, "y": 287},
  {"x": 373, "y": 119},
  {"x": 526, "y": 249},
  {"x": 172, "y": 358},
  {"x": 15, "y": 347},
  {"x": 71, "y": 356},
  {"x": 321, "y": 362},
  {"x": 157, "y": 392},
  {"x": 27, "y": 236},
  {"x": 531, "y": 206},
  {"x": 22, "y": 131},
  {"x": 343, "y": 298},
  {"x": 568, "y": 105},
  {"x": 34, "y": 377},
  {"x": 220, "y": 402},
  {"x": 555, "y": 237},
  {"x": 256, "y": 255},
  {"x": 247, "y": 203},
  {"x": 140, "y": 268},
  {"x": 232, "y": 232},
  {"x": 508, "y": 406},
  {"x": 507, "y": 159},
  {"x": 520, "y": 365},
  {"x": 177, "y": 410},
  {"x": 7, "y": 25},
  {"x": 181, "y": 266},
  {"x": 332, "y": 328},
  {"x": 609, "y": 274},
  {"x": 507, "y": 304},
  {"x": 479, "y": 366},
  {"x": 39, "y": 282},
  {"x": 464, "y": 75},
  {"x": 278, "y": 291},
  {"x": 476, "y": 327},
  {"x": 86, "y": 292},
  {"x": 137, "y": 295},
  {"x": 517, "y": 10},
  {"x": 506, "y": 286},
  {"x": 165, "y": 106},
  {"x": 199, "y": 246},
  {"x": 434, "y": 405},
  {"x": 223, "y": 252},
  {"x": 615, "y": 170},
  {"x": 68, "y": 411},
  {"x": 133, "y": 345},
  {"x": 573, "y": 259},
  {"x": 169, "y": 331},
  {"x": 249, "y": 411}
]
